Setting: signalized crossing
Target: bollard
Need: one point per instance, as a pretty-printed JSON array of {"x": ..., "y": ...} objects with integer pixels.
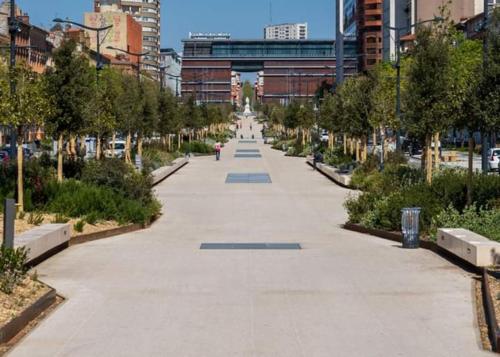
[
  {"x": 9, "y": 220},
  {"x": 410, "y": 227}
]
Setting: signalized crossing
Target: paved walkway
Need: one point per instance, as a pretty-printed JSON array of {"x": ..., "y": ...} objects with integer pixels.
[{"x": 154, "y": 293}]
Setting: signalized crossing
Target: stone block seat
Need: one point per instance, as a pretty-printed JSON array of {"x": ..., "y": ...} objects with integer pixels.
[
  {"x": 41, "y": 241},
  {"x": 470, "y": 246}
]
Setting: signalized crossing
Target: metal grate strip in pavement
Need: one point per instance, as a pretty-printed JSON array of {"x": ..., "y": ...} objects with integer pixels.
[
  {"x": 248, "y": 178},
  {"x": 248, "y": 156},
  {"x": 247, "y": 150},
  {"x": 247, "y": 142},
  {"x": 250, "y": 246}
]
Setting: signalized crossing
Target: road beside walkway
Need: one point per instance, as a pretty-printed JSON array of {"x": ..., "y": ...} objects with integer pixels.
[{"x": 155, "y": 293}]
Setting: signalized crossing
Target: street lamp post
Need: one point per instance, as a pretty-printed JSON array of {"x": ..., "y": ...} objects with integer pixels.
[
  {"x": 397, "y": 65},
  {"x": 98, "y": 31},
  {"x": 13, "y": 31},
  {"x": 484, "y": 135}
]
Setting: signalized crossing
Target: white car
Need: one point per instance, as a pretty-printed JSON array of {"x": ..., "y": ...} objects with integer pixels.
[
  {"x": 119, "y": 149},
  {"x": 494, "y": 159}
]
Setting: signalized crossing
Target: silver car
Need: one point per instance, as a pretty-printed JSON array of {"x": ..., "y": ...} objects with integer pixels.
[{"x": 494, "y": 158}]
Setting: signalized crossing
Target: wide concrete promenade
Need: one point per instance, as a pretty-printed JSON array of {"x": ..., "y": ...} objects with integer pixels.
[{"x": 154, "y": 293}]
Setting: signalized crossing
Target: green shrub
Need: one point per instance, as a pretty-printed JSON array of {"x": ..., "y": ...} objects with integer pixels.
[
  {"x": 79, "y": 225},
  {"x": 120, "y": 177},
  {"x": 60, "y": 218},
  {"x": 92, "y": 218},
  {"x": 197, "y": 147},
  {"x": 35, "y": 218},
  {"x": 336, "y": 157},
  {"x": 13, "y": 268},
  {"x": 77, "y": 199},
  {"x": 481, "y": 221},
  {"x": 155, "y": 157}
]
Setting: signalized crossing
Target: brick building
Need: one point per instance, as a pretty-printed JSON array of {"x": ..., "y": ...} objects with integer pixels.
[{"x": 288, "y": 70}]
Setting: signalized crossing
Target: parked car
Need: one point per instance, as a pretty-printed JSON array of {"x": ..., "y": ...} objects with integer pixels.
[
  {"x": 324, "y": 136},
  {"x": 119, "y": 149},
  {"x": 4, "y": 157},
  {"x": 494, "y": 159}
]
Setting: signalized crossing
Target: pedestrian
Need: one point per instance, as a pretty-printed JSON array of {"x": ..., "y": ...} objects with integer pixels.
[{"x": 217, "y": 150}]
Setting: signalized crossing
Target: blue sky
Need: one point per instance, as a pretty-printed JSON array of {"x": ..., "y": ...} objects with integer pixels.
[{"x": 243, "y": 19}]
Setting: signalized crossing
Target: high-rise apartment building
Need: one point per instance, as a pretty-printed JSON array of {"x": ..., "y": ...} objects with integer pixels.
[
  {"x": 369, "y": 14},
  {"x": 148, "y": 14},
  {"x": 286, "y": 32},
  {"x": 404, "y": 13}
]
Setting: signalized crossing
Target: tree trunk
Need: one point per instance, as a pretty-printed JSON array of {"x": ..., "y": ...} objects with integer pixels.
[
  {"x": 128, "y": 145},
  {"x": 357, "y": 149},
  {"x": 436, "y": 151},
  {"x": 364, "y": 155},
  {"x": 345, "y": 144},
  {"x": 179, "y": 141},
  {"x": 428, "y": 148},
  {"x": 139, "y": 145},
  {"x": 20, "y": 174},
  {"x": 72, "y": 146},
  {"x": 470, "y": 171},
  {"x": 113, "y": 142},
  {"x": 374, "y": 138},
  {"x": 331, "y": 140},
  {"x": 60, "y": 158},
  {"x": 303, "y": 137},
  {"x": 98, "y": 149},
  {"x": 82, "y": 147}
]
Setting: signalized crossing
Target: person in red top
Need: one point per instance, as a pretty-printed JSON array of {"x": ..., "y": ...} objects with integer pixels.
[{"x": 217, "y": 151}]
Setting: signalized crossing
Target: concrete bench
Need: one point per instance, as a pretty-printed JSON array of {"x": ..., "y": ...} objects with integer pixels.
[
  {"x": 332, "y": 172},
  {"x": 42, "y": 240},
  {"x": 470, "y": 246},
  {"x": 163, "y": 172}
]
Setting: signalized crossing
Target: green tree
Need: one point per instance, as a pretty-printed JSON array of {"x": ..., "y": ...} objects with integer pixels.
[
  {"x": 248, "y": 92},
  {"x": 129, "y": 105},
  {"x": 306, "y": 120},
  {"x": 355, "y": 95},
  {"x": 148, "y": 122},
  {"x": 489, "y": 86},
  {"x": 383, "y": 100},
  {"x": 169, "y": 119},
  {"x": 102, "y": 111},
  {"x": 428, "y": 110},
  {"x": 68, "y": 86},
  {"x": 24, "y": 109},
  {"x": 192, "y": 116}
]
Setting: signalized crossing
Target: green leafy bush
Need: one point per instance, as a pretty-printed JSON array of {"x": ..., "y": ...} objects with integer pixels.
[
  {"x": 79, "y": 225},
  {"x": 35, "y": 218},
  {"x": 481, "y": 221},
  {"x": 399, "y": 186},
  {"x": 154, "y": 157},
  {"x": 197, "y": 147},
  {"x": 335, "y": 157},
  {"x": 77, "y": 199},
  {"x": 120, "y": 177},
  {"x": 60, "y": 218},
  {"x": 13, "y": 268}
]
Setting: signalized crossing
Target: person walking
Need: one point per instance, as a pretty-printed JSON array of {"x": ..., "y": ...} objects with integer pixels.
[{"x": 217, "y": 150}]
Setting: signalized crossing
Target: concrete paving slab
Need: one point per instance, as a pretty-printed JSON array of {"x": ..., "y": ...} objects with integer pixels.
[{"x": 155, "y": 293}]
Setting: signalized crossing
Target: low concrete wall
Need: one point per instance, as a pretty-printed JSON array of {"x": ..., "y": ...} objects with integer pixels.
[
  {"x": 470, "y": 246},
  {"x": 332, "y": 173},
  {"x": 163, "y": 172},
  {"x": 43, "y": 240}
]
